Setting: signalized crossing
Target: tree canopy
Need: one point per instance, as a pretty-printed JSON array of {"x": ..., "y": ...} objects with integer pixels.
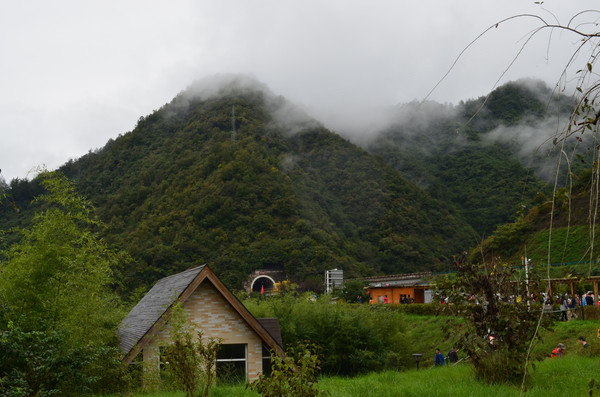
[
  {"x": 60, "y": 275},
  {"x": 288, "y": 194}
]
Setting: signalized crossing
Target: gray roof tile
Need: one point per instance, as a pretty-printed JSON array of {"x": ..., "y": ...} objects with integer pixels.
[
  {"x": 271, "y": 325},
  {"x": 152, "y": 306}
]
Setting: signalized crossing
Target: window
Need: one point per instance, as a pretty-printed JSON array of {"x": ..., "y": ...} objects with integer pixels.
[
  {"x": 266, "y": 361},
  {"x": 162, "y": 361},
  {"x": 231, "y": 364}
]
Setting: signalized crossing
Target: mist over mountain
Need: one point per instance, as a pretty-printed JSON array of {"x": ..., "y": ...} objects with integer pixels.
[
  {"x": 488, "y": 156},
  {"x": 232, "y": 175}
]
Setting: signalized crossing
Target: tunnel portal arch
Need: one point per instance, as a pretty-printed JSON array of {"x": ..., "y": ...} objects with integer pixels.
[{"x": 262, "y": 281}]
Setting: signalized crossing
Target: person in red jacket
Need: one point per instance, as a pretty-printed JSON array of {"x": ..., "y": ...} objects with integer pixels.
[{"x": 558, "y": 352}]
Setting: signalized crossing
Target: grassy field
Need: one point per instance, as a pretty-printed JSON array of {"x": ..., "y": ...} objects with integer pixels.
[
  {"x": 426, "y": 333},
  {"x": 569, "y": 376}
]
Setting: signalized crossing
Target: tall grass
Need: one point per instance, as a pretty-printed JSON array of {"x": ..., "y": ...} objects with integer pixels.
[
  {"x": 566, "y": 377},
  {"x": 424, "y": 334}
]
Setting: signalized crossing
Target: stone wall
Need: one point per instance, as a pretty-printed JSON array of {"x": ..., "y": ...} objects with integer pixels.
[{"x": 216, "y": 318}]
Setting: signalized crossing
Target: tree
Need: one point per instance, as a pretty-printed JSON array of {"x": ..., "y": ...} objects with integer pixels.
[
  {"x": 501, "y": 317},
  {"x": 59, "y": 276},
  {"x": 59, "y": 312}
]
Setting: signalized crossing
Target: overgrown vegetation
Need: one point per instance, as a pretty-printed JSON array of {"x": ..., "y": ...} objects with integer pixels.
[
  {"x": 59, "y": 309},
  {"x": 293, "y": 375},
  {"x": 191, "y": 361},
  {"x": 502, "y": 318},
  {"x": 353, "y": 338}
]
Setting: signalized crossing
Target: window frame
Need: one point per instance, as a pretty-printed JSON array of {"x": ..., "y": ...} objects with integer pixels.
[{"x": 235, "y": 360}]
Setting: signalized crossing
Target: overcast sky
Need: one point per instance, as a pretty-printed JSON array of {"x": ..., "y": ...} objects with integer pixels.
[{"x": 75, "y": 73}]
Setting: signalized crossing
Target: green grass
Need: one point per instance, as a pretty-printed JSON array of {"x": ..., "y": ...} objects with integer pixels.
[
  {"x": 566, "y": 377},
  {"x": 568, "y": 333},
  {"x": 427, "y": 333},
  {"x": 232, "y": 391},
  {"x": 577, "y": 243}
]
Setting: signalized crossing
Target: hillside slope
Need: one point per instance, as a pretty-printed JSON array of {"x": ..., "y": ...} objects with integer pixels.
[
  {"x": 280, "y": 192},
  {"x": 489, "y": 156}
]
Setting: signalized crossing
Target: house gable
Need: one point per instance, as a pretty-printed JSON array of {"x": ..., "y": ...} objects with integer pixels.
[
  {"x": 209, "y": 312},
  {"x": 215, "y": 316},
  {"x": 200, "y": 292}
]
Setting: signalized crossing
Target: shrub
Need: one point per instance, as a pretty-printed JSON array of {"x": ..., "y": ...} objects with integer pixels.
[
  {"x": 293, "y": 375},
  {"x": 353, "y": 338},
  {"x": 37, "y": 363},
  {"x": 422, "y": 309},
  {"x": 191, "y": 361},
  {"x": 591, "y": 313}
]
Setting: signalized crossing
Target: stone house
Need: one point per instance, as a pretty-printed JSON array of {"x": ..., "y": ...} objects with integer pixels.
[{"x": 213, "y": 309}]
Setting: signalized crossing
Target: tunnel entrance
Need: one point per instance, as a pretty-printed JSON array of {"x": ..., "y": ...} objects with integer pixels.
[{"x": 261, "y": 282}]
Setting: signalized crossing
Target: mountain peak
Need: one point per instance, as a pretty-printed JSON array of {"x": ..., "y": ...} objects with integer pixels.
[
  {"x": 225, "y": 85},
  {"x": 240, "y": 88}
]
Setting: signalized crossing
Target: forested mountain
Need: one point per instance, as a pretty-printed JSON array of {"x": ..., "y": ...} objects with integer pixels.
[
  {"x": 230, "y": 175},
  {"x": 489, "y": 156}
]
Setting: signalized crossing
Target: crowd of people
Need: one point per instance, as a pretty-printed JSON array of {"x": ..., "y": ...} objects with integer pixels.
[
  {"x": 452, "y": 356},
  {"x": 567, "y": 304}
]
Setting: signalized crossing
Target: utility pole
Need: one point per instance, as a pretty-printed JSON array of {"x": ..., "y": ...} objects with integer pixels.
[
  {"x": 233, "y": 123},
  {"x": 525, "y": 261}
]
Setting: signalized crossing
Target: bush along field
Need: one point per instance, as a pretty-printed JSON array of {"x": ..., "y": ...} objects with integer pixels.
[{"x": 353, "y": 338}]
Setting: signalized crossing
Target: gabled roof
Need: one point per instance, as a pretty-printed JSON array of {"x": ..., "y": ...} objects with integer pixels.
[
  {"x": 152, "y": 306},
  {"x": 271, "y": 324},
  {"x": 146, "y": 318}
]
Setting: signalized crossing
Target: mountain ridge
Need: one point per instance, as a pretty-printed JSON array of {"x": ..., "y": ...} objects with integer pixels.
[
  {"x": 182, "y": 188},
  {"x": 287, "y": 193}
]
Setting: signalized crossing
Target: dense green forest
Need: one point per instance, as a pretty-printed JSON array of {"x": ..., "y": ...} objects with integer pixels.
[
  {"x": 241, "y": 179},
  {"x": 488, "y": 156},
  {"x": 281, "y": 192}
]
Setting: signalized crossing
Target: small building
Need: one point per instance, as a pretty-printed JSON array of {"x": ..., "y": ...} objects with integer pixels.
[
  {"x": 211, "y": 307},
  {"x": 400, "y": 288}
]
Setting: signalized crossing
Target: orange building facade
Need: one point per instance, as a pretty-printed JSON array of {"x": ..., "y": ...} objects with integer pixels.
[{"x": 400, "y": 288}]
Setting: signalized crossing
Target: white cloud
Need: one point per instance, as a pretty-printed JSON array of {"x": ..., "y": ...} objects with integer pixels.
[{"x": 74, "y": 74}]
